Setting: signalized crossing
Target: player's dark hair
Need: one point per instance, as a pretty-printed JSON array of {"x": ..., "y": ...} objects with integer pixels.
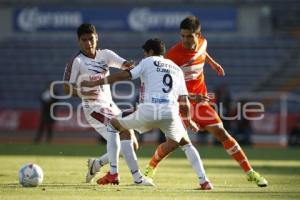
[
  {"x": 191, "y": 23},
  {"x": 85, "y": 28},
  {"x": 156, "y": 45}
]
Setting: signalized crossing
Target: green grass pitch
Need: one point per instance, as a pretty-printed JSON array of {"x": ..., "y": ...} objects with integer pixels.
[{"x": 65, "y": 167}]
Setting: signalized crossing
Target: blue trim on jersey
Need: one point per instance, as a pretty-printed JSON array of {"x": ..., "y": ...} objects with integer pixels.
[
  {"x": 98, "y": 72},
  {"x": 156, "y": 100}
]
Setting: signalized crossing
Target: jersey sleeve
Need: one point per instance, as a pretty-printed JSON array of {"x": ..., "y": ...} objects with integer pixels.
[
  {"x": 137, "y": 70},
  {"x": 113, "y": 59},
  {"x": 72, "y": 71}
]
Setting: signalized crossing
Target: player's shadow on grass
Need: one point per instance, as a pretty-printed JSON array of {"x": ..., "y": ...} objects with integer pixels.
[
  {"x": 80, "y": 186},
  {"x": 255, "y": 192},
  {"x": 47, "y": 185},
  {"x": 285, "y": 170},
  {"x": 146, "y": 189},
  {"x": 269, "y": 169}
]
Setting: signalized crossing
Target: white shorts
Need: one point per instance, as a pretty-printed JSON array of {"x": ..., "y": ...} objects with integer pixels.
[
  {"x": 145, "y": 118},
  {"x": 98, "y": 117}
]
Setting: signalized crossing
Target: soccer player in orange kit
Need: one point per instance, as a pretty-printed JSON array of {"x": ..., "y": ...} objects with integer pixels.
[{"x": 190, "y": 54}]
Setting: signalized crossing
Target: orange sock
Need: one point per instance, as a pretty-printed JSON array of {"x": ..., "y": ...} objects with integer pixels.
[
  {"x": 158, "y": 156},
  {"x": 234, "y": 149}
]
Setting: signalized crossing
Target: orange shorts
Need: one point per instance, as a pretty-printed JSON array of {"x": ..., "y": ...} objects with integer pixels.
[{"x": 204, "y": 115}]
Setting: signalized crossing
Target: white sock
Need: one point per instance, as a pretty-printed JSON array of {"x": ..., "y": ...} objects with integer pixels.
[
  {"x": 129, "y": 155},
  {"x": 101, "y": 161},
  {"x": 113, "y": 149},
  {"x": 194, "y": 158}
]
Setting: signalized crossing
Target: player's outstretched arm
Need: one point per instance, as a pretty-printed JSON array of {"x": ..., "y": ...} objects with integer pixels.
[
  {"x": 214, "y": 65},
  {"x": 124, "y": 75}
]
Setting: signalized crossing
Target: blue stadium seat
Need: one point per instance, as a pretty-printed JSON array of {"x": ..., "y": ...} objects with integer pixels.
[{"x": 29, "y": 63}]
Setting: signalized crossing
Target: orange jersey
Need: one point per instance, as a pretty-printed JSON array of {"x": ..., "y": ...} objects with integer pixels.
[{"x": 192, "y": 63}]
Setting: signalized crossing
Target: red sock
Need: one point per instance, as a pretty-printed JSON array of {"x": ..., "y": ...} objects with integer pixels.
[
  {"x": 158, "y": 156},
  {"x": 234, "y": 149}
]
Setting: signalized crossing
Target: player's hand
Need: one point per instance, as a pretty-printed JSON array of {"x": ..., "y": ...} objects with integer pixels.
[
  {"x": 219, "y": 69},
  {"x": 86, "y": 83},
  {"x": 128, "y": 64},
  {"x": 192, "y": 125}
]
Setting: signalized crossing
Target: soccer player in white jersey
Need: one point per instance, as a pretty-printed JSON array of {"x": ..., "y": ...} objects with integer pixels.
[
  {"x": 98, "y": 106},
  {"x": 163, "y": 94}
]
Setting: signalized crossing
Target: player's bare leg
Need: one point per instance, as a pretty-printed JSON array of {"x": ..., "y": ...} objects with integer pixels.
[{"x": 233, "y": 149}]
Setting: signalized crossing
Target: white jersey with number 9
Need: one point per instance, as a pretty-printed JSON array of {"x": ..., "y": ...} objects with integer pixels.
[{"x": 162, "y": 81}]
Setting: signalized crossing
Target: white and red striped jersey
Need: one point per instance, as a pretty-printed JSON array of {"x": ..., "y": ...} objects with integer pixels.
[{"x": 82, "y": 67}]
